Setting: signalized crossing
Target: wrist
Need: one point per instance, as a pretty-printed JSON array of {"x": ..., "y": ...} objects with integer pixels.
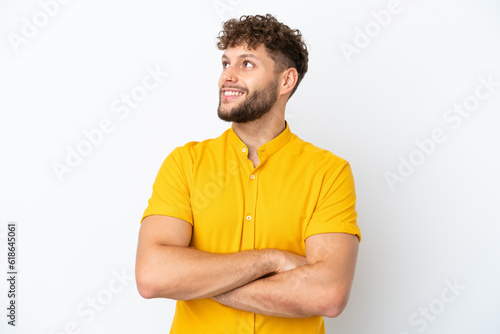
[{"x": 273, "y": 260}]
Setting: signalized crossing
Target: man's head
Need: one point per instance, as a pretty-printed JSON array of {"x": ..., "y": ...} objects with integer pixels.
[{"x": 263, "y": 60}]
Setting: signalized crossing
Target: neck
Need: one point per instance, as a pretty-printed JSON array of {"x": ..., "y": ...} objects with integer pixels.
[{"x": 256, "y": 133}]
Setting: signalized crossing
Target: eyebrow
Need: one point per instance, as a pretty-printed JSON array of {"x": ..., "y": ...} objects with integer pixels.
[{"x": 244, "y": 55}]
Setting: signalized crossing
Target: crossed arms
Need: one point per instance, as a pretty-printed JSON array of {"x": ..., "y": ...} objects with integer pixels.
[{"x": 265, "y": 281}]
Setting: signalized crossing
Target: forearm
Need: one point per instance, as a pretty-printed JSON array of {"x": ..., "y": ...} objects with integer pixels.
[
  {"x": 184, "y": 273},
  {"x": 297, "y": 293}
]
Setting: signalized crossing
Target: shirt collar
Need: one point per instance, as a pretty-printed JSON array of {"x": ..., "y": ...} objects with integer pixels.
[{"x": 268, "y": 148}]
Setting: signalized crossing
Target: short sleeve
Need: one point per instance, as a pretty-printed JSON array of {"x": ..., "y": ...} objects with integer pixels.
[
  {"x": 336, "y": 207},
  {"x": 171, "y": 195}
]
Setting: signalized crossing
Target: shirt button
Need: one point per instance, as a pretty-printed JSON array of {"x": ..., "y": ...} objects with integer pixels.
[
  {"x": 243, "y": 150},
  {"x": 252, "y": 176},
  {"x": 249, "y": 217}
]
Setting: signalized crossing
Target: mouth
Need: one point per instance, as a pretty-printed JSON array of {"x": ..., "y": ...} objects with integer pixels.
[{"x": 231, "y": 94}]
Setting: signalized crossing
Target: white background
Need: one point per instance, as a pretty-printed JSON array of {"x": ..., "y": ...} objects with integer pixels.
[{"x": 437, "y": 228}]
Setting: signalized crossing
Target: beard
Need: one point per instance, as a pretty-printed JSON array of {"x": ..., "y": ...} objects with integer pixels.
[{"x": 253, "y": 107}]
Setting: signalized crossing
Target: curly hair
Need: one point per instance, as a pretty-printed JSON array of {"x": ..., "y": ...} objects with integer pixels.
[{"x": 285, "y": 45}]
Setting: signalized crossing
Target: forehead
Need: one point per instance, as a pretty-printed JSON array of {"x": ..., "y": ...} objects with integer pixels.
[{"x": 243, "y": 51}]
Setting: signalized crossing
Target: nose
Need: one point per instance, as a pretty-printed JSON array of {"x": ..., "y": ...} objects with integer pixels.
[{"x": 229, "y": 75}]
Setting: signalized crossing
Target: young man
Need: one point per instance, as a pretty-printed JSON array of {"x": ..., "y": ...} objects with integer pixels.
[{"x": 254, "y": 231}]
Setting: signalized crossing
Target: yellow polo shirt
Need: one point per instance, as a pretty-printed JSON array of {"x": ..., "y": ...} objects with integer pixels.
[{"x": 298, "y": 190}]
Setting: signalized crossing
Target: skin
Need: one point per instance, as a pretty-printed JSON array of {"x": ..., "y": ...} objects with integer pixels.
[
  {"x": 251, "y": 105},
  {"x": 321, "y": 287},
  {"x": 166, "y": 267},
  {"x": 259, "y": 75},
  {"x": 265, "y": 281}
]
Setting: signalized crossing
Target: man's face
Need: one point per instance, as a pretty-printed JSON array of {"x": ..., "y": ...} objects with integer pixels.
[{"x": 248, "y": 86}]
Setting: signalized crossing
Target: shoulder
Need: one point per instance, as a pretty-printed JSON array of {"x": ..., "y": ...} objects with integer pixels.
[
  {"x": 315, "y": 155},
  {"x": 194, "y": 149}
]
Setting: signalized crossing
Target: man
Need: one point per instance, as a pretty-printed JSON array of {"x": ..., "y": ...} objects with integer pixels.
[{"x": 254, "y": 231}]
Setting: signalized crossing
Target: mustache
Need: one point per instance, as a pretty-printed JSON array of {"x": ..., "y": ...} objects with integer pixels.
[{"x": 229, "y": 86}]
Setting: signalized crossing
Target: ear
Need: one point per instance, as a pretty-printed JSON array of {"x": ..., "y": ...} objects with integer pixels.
[{"x": 289, "y": 80}]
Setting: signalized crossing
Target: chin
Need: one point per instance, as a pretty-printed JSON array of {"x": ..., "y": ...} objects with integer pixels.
[
  {"x": 224, "y": 114},
  {"x": 225, "y": 109}
]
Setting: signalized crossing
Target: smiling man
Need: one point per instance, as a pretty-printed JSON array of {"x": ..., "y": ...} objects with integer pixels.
[{"x": 254, "y": 231}]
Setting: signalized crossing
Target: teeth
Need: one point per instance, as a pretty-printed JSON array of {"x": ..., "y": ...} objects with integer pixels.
[{"x": 231, "y": 93}]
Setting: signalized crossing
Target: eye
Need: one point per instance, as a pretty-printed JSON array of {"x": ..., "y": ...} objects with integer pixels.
[
  {"x": 248, "y": 64},
  {"x": 225, "y": 64}
]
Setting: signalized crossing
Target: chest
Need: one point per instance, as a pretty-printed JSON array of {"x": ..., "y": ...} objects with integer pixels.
[{"x": 266, "y": 207}]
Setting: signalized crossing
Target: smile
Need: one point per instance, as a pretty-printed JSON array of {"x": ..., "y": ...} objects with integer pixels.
[
  {"x": 228, "y": 95},
  {"x": 232, "y": 93}
]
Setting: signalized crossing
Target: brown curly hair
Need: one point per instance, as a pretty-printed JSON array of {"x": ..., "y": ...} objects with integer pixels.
[{"x": 285, "y": 45}]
